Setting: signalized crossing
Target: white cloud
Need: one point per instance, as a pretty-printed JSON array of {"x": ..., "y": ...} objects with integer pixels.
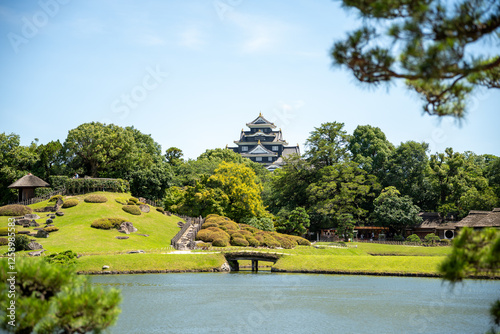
[
  {"x": 192, "y": 38},
  {"x": 261, "y": 34}
]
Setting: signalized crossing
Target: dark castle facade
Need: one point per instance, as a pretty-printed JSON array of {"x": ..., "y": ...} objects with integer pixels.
[{"x": 264, "y": 145}]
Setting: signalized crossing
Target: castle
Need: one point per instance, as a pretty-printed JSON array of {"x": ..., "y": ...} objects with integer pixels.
[{"x": 264, "y": 145}]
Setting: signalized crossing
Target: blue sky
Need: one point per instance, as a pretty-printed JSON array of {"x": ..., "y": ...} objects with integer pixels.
[{"x": 192, "y": 73}]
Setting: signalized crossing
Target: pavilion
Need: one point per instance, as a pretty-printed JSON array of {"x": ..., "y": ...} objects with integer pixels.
[{"x": 27, "y": 185}]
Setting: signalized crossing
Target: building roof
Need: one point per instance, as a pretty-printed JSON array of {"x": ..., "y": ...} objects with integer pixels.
[
  {"x": 433, "y": 220},
  {"x": 29, "y": 181},
  {"x": 481, "y": 219},
  {"x": 261, "y": 121},
  {"x": 259, "y": 150}
]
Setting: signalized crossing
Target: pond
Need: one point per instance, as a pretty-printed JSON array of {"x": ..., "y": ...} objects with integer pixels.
[{"x": 265, "y": 302}]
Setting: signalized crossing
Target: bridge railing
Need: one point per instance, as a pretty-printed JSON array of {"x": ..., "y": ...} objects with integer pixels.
[{"x": 197, "y": 223}]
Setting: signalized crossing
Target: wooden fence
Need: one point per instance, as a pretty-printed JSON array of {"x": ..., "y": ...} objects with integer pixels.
[{"x": 41, "y": 198}]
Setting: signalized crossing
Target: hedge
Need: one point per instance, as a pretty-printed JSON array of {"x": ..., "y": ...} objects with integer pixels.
[
  {"x": 95, "y": 198},
  {"x": 87, "y": 185},
  {"x": 14, "y": 210},
  {"x": 69, "y": 203},
  {"x": 107, "y": 223},
  {"x": 132, "y": 209},
  {"x": 239, "y": 242}
]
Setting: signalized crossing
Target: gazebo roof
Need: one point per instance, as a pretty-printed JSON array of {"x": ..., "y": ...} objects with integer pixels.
[{"x": 29, "y": 181}]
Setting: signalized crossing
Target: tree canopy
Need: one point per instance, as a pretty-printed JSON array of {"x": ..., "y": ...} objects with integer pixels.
[{"x": 430, "y": 44}]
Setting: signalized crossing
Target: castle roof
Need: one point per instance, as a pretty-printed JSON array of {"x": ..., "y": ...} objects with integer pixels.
[{"x": 260, "y": 121}]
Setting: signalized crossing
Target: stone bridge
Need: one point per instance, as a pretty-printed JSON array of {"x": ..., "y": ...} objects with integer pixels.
[{"x": 233, "y": 257}]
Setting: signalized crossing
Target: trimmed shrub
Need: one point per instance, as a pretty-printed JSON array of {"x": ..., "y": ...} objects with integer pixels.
[
  {"x": 203, "y": 245},
  {"x": 285, "y": 242},
  {"x": 21, "y": 242},
  {"x": 203, "y": 235},
  {"x": 431, "y": 238},
  {"x": 236, "y": 235},
  {"x": 446, "y": 242},
  {"x": 253, "y": 242},
  {"x": 239, "y": 242},
  {"x": 67, "y": 258},
  {"x": 55, "y": 198},
  {"x": 270, "y": 242},
  {"x": 14, "y": 210},
  {"x": 301, "y": 241},
  {"x": 133, "y": 199},
  {"x": 5, "y": 231},
  {"x": 69, "y": 203},
  {"x": 245, "y": 233},
  {"x": 107, "y": 223},
  {"x": 160, "y": 209},
  {"x": 259, "y": 238},
  {"x": 132, "y": 209},
  {"x": 413, "y": 238},
  {"x": 95, "y": 198},
  {"x": 121, "y": 200},
  {"x": 212, "y": 215},
  {"x": 207, "y": 225},
  {"x": 220, "y": 243},
  {"x": 4, "y": 241},
  {"x": 399, "y": 238},
  {"x": 51, "y": 229}
]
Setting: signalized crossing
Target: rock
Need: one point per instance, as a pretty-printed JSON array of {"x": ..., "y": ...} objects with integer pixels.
[
  {"x": 136, "y": 252},
  {"x": 42, "y": 234},
  {"x": 144, "y": 208},
  {"x": 121, "y": 237},
  {"x": 22, "y": 222},
  {"x": 37, "y": 253},
  {"x": 169, "y": 213},
  {"x": 59, "y": 213},
  {"x": 49, "y": 221},
  {"x": 33, "y": 223},
  {"x": 23, "y": 232},
  {"x": 127, "y": 228},
  {"x": 142, "y": 199},
  {"x": 31, "y": 216},
  {"x": 34, "y": 245},
  {"x": 180, "y": 224},
  {"x": 38, "y": 228},
  {"x": 144, "y": 235},
  {"x": 105, "y": 267},
  {"x": 225, "y": 267},
  {"x": 52, "y": 216}
]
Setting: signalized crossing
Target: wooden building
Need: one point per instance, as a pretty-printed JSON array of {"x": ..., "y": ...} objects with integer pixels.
[
  {"x": 263, "y": 144},
  {"x": 27, "y": 185}
]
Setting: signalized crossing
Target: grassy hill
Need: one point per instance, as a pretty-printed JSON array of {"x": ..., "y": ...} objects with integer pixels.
[{"x": 76, "y": 234}]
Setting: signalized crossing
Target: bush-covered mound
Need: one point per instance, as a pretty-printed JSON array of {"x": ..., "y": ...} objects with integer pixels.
[
  {"x": 67, "y": 258},
  {"x": 160, "y": 209},
  {"x": 95, "y": 198},
  {"x": 69, "y": 203},
  {"x": 14, "y": 210},
  {"x": 55, "y": 198},
  {"x": 222, "y": 232},
  {"x": 51, "y": 229},
  {"x": 4, "y": 231},
  {"x": 132, "y": 209},
  {"x": 107, "y": 223},
  {"x": 121, "y": 200}
]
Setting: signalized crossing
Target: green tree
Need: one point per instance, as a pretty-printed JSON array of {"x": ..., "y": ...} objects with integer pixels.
[
  {"x": 427, "y": 43},
  {"x": 49, "y": 159},
  {"x": 295, "y": 223},
  {"x": 151, "y": 182},
  {"x": 345, "y": 226},
  {"x": 174, "y": 155},
  {"x": 474, "y": 253},
  {"x": 327, "y": 145},
  {"x": 54, "y": 299},
  {"x": 394, "y": 211},
  {"x": 100, "y": 150},
  {"x": 342, "y": 189},
  {"x": 371, "y": 150}
]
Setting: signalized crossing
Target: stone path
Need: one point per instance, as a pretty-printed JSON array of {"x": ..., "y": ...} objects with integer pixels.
[{"x": 187, "y": 239}]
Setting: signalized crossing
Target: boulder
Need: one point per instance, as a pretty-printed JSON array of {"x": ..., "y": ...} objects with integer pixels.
[
  {"x": 59, "y": 213},
  {"x": 225, "y": 267},
  {"x": 49, "y": 221},
  {"x": 121, "y": 237},
  {"x": 127, "y": 228},
  {"x": 144, "y": 208},
  {"x": 136, "y": 252},
  {"x": 144, "y": 235},
  {"x": 33, "y": 223},
  {"x": 105, "y": 267},
  {"x": 59, "y": 203},
  {"x": 42, "y": 234},
  {"x": 31, "y": 216},
  {"x": 22, "y": 222},
  {"x": 23, "y": 232},
  {"x": 34, "y": 245},
  {"x": 37, "y": 253},
  {"x": 52, "y": 216},
  {"x": 169, "y": 213}
]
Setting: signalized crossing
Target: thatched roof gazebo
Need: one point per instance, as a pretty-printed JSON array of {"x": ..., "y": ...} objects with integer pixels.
[{"x": 27, "y": 185}]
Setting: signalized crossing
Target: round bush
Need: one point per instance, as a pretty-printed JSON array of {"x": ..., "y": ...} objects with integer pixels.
[
  {"x": 107, "y": 223},
  {"x": 160, "y": 209},
  {"x": 259, "y": 238},
  {"x": 220, "y": 243},
  {"x": 21, "y": 242},
  {"x": 4, "y": 241},
  {"x": 133, "y": 199},
  {"x": 121, "y": 200},
  {"x": 245, "y": 233},
  {"x": 70, "y": 203},
  {"x": 14, "y": 210},
  {"x": 207, "y": 225},
  {"x": 270, "y": 242},
  {"x": 66, "y": 258},
  {"x": 203, "y": 235},
  {"x": 55, "y": 198},
  {"x": 95, "y": 199},
  {"x": 285, "y": 242},
  {"x": 51, "y": 229},
  {"x": 235, "y": 235},
  {"x": 203, "y": 245},
  {"x": 413, "y": 238},
  {"x": 239, "y": 242},
  {"x": 132, "y": 209},
  {"x": 253, "y": 242},
  {"x": 301, "y": 241}
]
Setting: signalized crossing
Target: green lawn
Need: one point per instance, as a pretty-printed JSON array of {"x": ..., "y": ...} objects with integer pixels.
[
  {"x": 76, "y": 234},
  {"x": 361, "y": 264}
]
